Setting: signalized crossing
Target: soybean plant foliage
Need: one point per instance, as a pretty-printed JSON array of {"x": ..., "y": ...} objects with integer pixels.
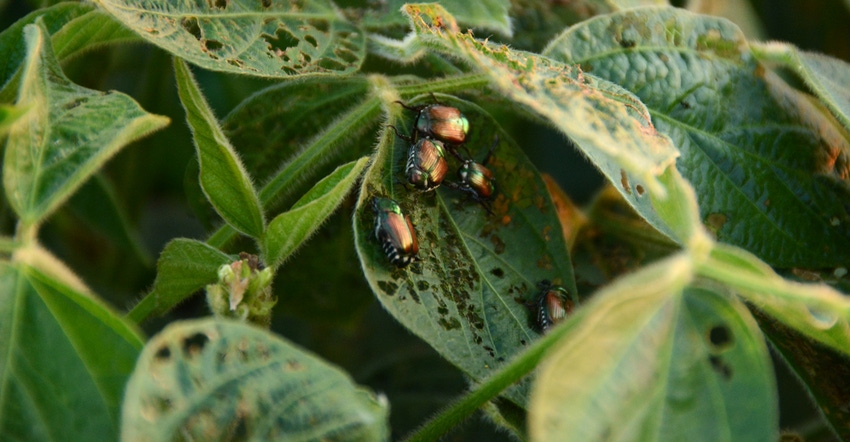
[{"x": 354, "y": 242}]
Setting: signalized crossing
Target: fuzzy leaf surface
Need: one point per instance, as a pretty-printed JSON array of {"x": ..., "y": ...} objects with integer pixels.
[
  {"x": 292, "y": 228},
  {"x": 223, "y": 177},
  {"x": 66, "y": 358},
  {"x": 770, "y": 173},
  {"x": 655, "y": 359},
  {"x": 466, "y": 296},
  {"x": 608, "y": 123},
  {"x": 184, "y": 267},
  {"x": 69, "y": 134},
  {"x": 207, "y": 378},
  {"x": 261, "y": 38}
]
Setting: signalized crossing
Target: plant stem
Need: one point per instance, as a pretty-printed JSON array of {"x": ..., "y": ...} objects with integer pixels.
[{"x": 512, "y": 372}]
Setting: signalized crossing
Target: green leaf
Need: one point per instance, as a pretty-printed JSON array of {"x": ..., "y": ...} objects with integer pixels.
[
  {"x": 12, "y": 46},
  {"x": 260, "y": 38},
  {"x": 770, "y": 174},
  {"x": 70, "y": 133},
  {"x": 75, "y": 27},
  {"x": 214, "y": 379},
  {"x": 292, "y": 228},
  {"x": 608, "y": 123},
  {"x": 827, "y": 77},
  {"x": 816, "y": 311},
  {"x": 66, "y": 359},
  {"x": 651, "y": 360},
  {"x": 184, "y": 267},
  {"x": 342, "y": 140},
  {"x": 223, "y": 177},
  {"x": 466, "y": 296}
]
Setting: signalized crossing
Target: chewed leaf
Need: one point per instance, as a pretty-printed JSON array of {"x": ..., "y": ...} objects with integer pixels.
[
  {"x": 483, "y": 14},
  {"x": 771, "y": 173},
  {"x": 262, "y": 38},
  {"x": 467, "y": 294},
  {"x": 654, "y": 359},
  {"x": 608, "y": 123},
  {"x": 68, "y": 134},
  {"x": 216, "y": 380}
]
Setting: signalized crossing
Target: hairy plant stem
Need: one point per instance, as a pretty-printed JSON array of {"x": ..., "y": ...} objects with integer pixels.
[{"x": 512, "y": 372}]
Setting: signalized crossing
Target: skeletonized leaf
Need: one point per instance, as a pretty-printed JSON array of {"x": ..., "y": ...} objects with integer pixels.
[
  {"x": 184, "y": 267},
  {"x": 771, "y": 173},
  {"x": 611, "y": 126},
  {"x": 466, "y": 296},
  {"x": 652, "y": 359},
  {"x": 292, "y": 228},
  {"x": 216, "y": 380},
  {"x": 483, "y": 14},
  {"x": 65, "y": 355},
  {"x": 263, "y": 38},
  {"x": 69, "y": 133},
  {"x": 223, "y": 177}
]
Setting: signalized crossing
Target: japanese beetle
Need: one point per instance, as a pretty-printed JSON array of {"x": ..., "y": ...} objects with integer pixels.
[
  {"x": 426, "y": 165},
  {"x": 551, "y": 305},
  {"x": 476, "y": 179},
  {"x": 441, "y": 122},
  {"x": 394, "y": 231}
]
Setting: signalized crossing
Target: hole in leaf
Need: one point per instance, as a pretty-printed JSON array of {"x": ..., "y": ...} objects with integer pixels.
[
  {"x": 75, "y": 103},
  {"x": 822, "y": 318},
  {"x": 163, "y": 353},
  {"x": 720, "y": 366},
  {"x": 279, "y": 43},
  {"x": 152, "y": 31},
  {"x": 720, "y": 336},
  {"x": 624, "y": 181},
  {"x": 312, "y": 40},
  {"x": 162, "y": 404},
  {"x": 639, "y": 189},
  {"x": 190, "y": 25},
  {"x": 266, "y": 3},
  {"x": 497, "y": 272},
  {"x": 235, "y": 62},
  {"x": 219, "y": 4},
  {"x": 322, "y": 26},
  {"x": 194, "y": 344},
  {"x": 213, "y": 45},
  {"x": 346, "y": 55}
]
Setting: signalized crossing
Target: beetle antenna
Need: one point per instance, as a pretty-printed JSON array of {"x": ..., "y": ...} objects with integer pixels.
[
  {"x": 406, "y": 106},
  {"x": 403, "y": 137}
]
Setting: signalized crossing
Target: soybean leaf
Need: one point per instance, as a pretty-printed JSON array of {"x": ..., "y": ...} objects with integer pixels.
[
  {"x": 76, "y": 27},
  {"x": 827, "y": 77},
  {"x": 653, "y": 359},
  {"x": 13, "y": 48},
  {"x": 608, "y": 123},
  {"x": 70, "y": 133},
  {"x": 223, "y": 177},
  {"x": 770, "y": 174},
  {"x": 344, "y": 139},
  {"x": 466, "y": 296},
  {"x": 184, "y": 267},
  {"x": 66, "y": 359},
  {"x": 483, "y": 14},
  {"x": 215, "y": 379},
  {"x": 260, "y": 38},
  {"x": 290, "y": 229}
]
